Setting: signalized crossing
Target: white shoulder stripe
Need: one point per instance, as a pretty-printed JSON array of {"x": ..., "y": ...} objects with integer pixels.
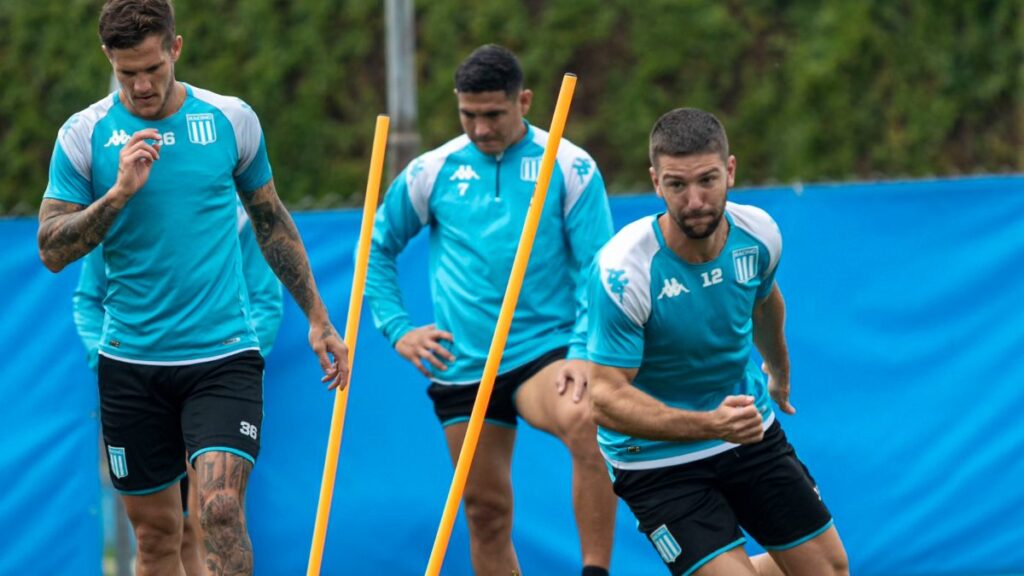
[
  {"x": 625, "y": 264},
  {"x": 422, "y": 174},
  {"x": 244, "y": 122},
  {"x": 75, "y": 136},
  {"x": 760, "y": 225},
  {"x": 241, "y": 216},
  {"x": 577, "y": 167}
]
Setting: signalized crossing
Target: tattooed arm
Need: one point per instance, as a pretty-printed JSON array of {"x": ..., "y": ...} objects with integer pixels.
[
  {"x": 283, "y": 249},
  {"x": 68, "y": 231}
]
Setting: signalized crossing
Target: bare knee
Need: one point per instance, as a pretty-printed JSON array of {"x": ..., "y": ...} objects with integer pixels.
[
  {"x": 218, "y": 512},
  {"x": 578, "y": 431},
  {"x": 158, "y": 534},
  {"x": 489, "y": 518},
  {"x": 840, "y": 564}
]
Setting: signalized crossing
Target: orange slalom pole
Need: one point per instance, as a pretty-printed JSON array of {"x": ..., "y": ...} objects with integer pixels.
[
  {"x": 355, "y": 306},
  {"x": 508, "y": 308}
]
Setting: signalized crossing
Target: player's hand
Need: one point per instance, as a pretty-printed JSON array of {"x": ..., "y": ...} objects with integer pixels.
[
  {"x": 136, "y": 162},
  {"x": 573, "y": 373},
  {"x": 737, "y": 420},
  {"x": 422, "y": 345},
  {"x": 332, "y": 353},
  {"x": 778, "y": 389}
]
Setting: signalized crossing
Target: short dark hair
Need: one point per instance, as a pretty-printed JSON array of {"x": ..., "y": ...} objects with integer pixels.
[
  {"x": 687, "y": 131},
  {"x": 127, "y": 23},
  {"x": 488, "y": 69}
]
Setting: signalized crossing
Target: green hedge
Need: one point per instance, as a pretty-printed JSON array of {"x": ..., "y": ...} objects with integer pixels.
[{"x": 809, "y": 90}]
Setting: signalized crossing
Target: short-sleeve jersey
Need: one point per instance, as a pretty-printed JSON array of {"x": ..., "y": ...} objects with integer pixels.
[
  {"x": 265, "y": 298},
  {"x": 176, "y": 292},
  {"x": 475, "y": 206},
  {"x": 686, "y": 327}
]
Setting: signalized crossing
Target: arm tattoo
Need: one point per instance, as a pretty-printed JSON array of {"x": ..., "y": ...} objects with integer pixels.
[
  {"x": 282, "y": 247},
  {"x": 68, "y": 231}
]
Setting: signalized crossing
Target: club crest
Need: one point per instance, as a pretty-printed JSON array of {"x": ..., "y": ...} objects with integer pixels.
[
  {"x": 202, "y": 129},
  {"x": 744, "y": 261}
]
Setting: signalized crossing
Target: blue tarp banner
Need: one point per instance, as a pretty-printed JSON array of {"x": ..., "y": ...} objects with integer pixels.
[{"x": 906, "y": 331}]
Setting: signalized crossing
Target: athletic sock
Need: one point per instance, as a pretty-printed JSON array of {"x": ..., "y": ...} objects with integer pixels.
[{"x": 594, "y": 571}]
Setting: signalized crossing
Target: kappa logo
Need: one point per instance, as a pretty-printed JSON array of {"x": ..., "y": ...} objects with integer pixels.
[
  {"x": 415, "y": 169},
  {"x": 69, "y": 124},
  {"x": 117, "y": 138},
  {"x": 672, "y": 288},
  {"x": 617, "y": 283},
  {"x": 744, "y": 261},
  {"x": 120, "y": 138},
  {"x": 465, "y": 172},
  {"x": 582, "y": 166},
  {"x": 666, "y": 544}
]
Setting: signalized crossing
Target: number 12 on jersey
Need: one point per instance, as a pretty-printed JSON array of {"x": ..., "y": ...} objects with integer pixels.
[{"x": 712, "y": 278}]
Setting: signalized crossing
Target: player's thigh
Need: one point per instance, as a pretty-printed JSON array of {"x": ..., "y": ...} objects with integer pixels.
[
  {"x": 773, "y": 494},
  {"x": 220, "y": 473},
  {"x": 539, "y": 403},
  {"x": 732, "y": 562},
  {"x": 141, "y": 426},
  {"x": 683, "y": 515},
  {"x": 223, "y": 411},
  {"x": 490, "y": 478},
  {"x": 822, "y": 555},
  {"x": 156, "y": 512}
]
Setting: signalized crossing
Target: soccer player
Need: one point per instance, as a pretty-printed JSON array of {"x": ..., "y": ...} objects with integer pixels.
[
  {"x": 473, "y": 193},
  {"x": 676, "y": 302},
  {"x": 152, "y": 172},
  {"x": 266, "y": 304}
]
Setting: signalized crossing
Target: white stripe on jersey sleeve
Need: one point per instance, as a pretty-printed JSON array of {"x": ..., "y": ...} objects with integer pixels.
[
  {"x": 760, "y": 225},
  {"x": 422, "y": 174},
  {"x": 568, "y": 156},
  {"x": 244, "y": 122},
  {"x": 631, "y": 250},
  {"x": 241, "y": 216},
  {"x": 75, "y": 136}
]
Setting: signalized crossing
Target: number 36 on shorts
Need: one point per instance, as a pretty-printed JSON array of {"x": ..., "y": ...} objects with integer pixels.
[{"x": 248, "y": 429}]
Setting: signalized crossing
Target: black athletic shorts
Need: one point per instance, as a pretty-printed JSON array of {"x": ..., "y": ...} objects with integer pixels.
[
  {"x": 453, "y": 403},
  {"x": 693, "y": 512},
  {"x": 154, "y": 415}
]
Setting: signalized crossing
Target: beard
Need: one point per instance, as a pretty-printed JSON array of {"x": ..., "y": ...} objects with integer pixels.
[{"x": 698, "y": 233}]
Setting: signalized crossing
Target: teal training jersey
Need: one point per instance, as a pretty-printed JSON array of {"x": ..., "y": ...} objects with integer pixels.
[
  {"x": 687, "y": 328},
  {"x": 176, "y": 292},
  {"x": 264, "y": 290},
  {"x": 475, "y": 206}
]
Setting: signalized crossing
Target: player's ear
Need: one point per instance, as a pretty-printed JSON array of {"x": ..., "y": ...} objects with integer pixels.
[
  {"x": 525, "y": 99},
  {"x": 654, "y": 180},
  {"x": 730, "y": 167},
  {"x": 176, "y": 48}
]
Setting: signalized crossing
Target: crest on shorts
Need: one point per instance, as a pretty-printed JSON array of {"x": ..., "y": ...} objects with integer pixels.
[
  {"x": 201, "y": 128},
  {"x": 118, "y": 463},
  {"x": 744, "y": 261},
  {"x": 666, "y": 544}
]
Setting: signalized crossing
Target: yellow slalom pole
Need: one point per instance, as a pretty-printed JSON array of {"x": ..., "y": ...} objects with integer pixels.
[
  {"x": 508, "y": 308},
  {"x": 355, "y": 306}
]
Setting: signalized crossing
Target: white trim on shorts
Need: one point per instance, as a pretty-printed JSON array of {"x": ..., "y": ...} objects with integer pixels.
[{"x": 177, "y": 362}]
